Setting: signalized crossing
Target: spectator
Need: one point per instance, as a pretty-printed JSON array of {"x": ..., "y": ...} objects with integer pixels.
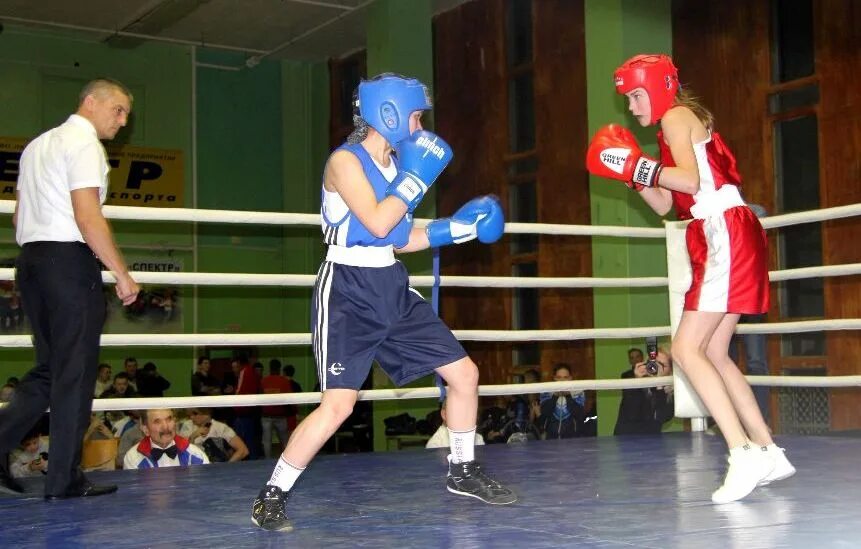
[
  {"x": 103, "y": 382},
  {"x": 130, "y": 436},
  {"x": 161, "y": 447},
  {"x": 121, "y": 387},
  {"x": 292, "y": 409},
  {"x": 203, "y": 384},
  {"x": 275, "y": 417},
  {"x": 6, "y": 392},
  {"x": 520, "y": 426},
  {"x": 247, "y": 422},
  {"x": 635, "y": 356},
  {"x": 644, "y": 411},
  {"x": 219, "y": 442},
  {"x": 492, "y": 420},
  {"x": 151, "y": 383},
  {"x": 562, "y": 415},
  {"x": 97, "y": 430},
  {"x": 131, "y": 367},
  {"x": 441, "y": 438},
  {"x": 31, "y": 458}
]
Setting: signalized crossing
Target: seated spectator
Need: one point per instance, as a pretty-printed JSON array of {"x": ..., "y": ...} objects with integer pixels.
[
  {"x": 121, "y": 387},
  {"x": 441, "y": 438},
  {"x": 161, "y": 447},
  {"x": 130, "y": 437},
  {"x": 97, "y": 430},
  {"x": 219, "y": 442},
  {"x": 103, "y": 382},
  {"x": 520, "y": 427},
  {"x": 492, "y": 420},
  {"x": 6, "y": 392},
  {"x": 131, "y": 367},
  {"x": 644, "y": 411},
  {"x": 203, "y": 384},
  {"x": 150, "y": 382},
  {"x": 275, "y": 417},
  {"x": 562, "y": 415},
  {"x": 30, "y": 459}
]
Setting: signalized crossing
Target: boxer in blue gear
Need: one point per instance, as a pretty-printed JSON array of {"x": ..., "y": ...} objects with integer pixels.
[{"x": 364, "y": 309}]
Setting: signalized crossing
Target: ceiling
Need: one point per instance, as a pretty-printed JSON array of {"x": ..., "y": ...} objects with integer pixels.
[{"x": 276, "y": 29}]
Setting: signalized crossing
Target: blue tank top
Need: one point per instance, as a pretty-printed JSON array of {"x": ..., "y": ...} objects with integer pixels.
[{"x": 348, "y": 230}]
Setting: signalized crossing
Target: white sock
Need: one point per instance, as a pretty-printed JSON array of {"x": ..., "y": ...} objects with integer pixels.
[
  {"x": 462, "y": 445},
  {"x": 739, "y": 451},
  {"x": 284, "y": 475}
]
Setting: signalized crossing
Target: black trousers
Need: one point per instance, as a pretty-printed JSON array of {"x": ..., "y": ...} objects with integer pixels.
[{"x": 62, "y": 296}]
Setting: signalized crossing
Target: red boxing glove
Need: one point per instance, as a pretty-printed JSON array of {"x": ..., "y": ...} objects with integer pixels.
[{"x": 615, "y": 154}]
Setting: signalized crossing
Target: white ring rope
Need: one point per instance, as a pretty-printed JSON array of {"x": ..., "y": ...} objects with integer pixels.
[
  {"x": 419, "y": 281},
  {"x": 278, "y": 339},
  {"x": 279, "y": 218},
  {"x": 103, "y": 404}
]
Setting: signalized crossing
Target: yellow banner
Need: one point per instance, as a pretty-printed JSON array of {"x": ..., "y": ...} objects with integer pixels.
[{"x": 140, "y": 176}]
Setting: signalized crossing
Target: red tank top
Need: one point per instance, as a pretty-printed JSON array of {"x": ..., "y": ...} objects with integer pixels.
[{"x": 721, "y": 163}]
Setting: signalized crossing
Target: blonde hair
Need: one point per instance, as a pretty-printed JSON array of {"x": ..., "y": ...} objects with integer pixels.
[{"x": 686, "y": 98}]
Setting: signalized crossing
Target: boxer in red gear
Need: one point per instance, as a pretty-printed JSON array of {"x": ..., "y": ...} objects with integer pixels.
[{"x": 697, "y": 175}]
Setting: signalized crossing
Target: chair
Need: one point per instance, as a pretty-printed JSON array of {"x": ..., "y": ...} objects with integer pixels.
[{"x": 99, "y": 455}]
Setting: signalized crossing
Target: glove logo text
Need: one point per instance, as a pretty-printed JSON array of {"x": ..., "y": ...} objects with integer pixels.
[{"x": 431, "y": 147}]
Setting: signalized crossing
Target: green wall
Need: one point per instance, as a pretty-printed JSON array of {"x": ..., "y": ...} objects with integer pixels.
[
  {"x": 255, "y": 151},
  {"x": 615, "y": 31},
  {"x": 400, "y": 40}
]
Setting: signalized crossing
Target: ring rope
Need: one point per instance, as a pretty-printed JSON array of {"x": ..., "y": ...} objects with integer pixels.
[
  {"x": 454, "y": 281},
  {"x": 283, "y": 339},
  {"x": 105, "y": 404},
  {"x": 140, "y": 213}
]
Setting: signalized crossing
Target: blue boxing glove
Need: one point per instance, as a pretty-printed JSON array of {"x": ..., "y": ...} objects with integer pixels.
[
  {"x": 481, "y": 217},
  {"x": 421, "y": 158}
]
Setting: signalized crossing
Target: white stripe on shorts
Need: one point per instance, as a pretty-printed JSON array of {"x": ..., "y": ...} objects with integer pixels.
[
  {"x": 714, "y": 295},
  {"x": 322, "y": 320}
]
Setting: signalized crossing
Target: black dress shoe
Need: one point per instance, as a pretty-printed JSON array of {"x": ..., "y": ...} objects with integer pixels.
[{"x": 88, "y": 490}]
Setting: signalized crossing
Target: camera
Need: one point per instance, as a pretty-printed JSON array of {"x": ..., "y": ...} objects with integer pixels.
[{"x": 652, "y": 366}]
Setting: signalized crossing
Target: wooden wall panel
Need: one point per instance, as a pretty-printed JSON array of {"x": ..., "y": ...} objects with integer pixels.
[
  {"x": 563, "y": 183},
  {"x": 471, "y": 113},
  {"x": 731, "y": 75},
  {"x": 838, "y": 58}
]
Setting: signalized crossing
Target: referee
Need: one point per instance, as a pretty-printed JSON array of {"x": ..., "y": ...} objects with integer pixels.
[{"x": 62, "y": 183}]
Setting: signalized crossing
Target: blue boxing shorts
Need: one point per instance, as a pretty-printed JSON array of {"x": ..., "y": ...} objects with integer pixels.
[{"x": 362, "y": 314}]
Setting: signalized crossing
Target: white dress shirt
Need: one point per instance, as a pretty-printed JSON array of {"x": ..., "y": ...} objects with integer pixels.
[{"x": 61, "y": 160}]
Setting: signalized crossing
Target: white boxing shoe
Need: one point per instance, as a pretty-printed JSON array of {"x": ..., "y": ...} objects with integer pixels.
[
  {"x": 748, "y": 466},
  {"x": 782, "y": 468}
]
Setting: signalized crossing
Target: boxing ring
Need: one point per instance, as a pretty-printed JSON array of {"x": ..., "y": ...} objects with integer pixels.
[{"x": 640, "y": 491}]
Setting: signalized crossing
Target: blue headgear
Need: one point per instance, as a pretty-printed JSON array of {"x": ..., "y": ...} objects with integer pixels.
[{"x": 387, "y": 101}]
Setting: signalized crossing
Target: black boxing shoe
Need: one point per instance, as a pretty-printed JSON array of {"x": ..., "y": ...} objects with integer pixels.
[
  {"x": 269, "y": 510},
  {"x": 86, "y": 490},
  {"x": 468, "y": 479}
]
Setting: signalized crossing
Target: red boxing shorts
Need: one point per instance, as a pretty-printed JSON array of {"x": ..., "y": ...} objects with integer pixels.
[{"x": 729, "y": 263}]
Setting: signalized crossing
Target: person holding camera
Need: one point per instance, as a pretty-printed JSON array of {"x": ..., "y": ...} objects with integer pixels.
[
  {"x": 31, "y": 458},
  {"x": 218, "y": 440},
  {"x": 562, "y": 414},
  {"x": 644, "y": 411}
]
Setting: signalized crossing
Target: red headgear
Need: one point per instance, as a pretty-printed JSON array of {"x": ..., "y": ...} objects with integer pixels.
[{"x": 656, "y": 74}]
